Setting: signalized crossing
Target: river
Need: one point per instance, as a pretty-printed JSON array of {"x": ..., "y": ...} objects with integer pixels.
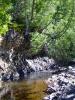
[{"x": 31, "y": 88}]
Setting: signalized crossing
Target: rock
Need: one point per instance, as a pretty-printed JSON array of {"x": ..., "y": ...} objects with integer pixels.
[
  {"x": 71, "y": 70},
  {"x": 70, "y": 96},
  {"x": 61, "y": 86},
  {"x": 0, "y": 83},
  {"x": 16, "y": 76},
  {"x": 46, "y": 98},
  {"x": 4, "y": 77},
  {"x": 50, "y": 90},
  {"x": 40, "y": 64},
  {"x": 53, "y": 96},
  {"x": 34, "y": 66},
  {"x": 70, "y": 67},
  {"x": 21, "y": 73},
  {"x": 3, "y": 66}
]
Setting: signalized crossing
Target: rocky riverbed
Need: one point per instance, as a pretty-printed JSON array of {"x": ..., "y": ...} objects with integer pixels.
[
  {"x": 60, "y": 80},
  {"x": 58, "y": 86},
  {"x": 19, "y": 70},
  {"x": 61, "y": 86}
]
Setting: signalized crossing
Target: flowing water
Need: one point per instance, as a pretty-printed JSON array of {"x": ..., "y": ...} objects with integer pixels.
[{"x": 32, "y": 88}]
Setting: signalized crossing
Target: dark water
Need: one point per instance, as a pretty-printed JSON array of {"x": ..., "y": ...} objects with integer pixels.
[{"x": 32, "y": 88}]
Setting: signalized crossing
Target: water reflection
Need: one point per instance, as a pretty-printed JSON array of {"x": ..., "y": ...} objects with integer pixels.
[
  {"x": 30, "y": 91},
  {"x": 27, "y": 90},
  {"x": 38, "y": 75},
  {"x": 32, "y": 88}
]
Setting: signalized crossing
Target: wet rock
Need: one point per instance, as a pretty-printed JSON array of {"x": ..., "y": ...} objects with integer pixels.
[
  {"x": 4, "y": 77},
  {"x": 71, "y": 70},
  {"x": 53, "y": 96},
  {"x": 40, "y": 64},
  {"x": 62, "y": 85},
  {"x": 50, "y": 90},
  {"x": 15, "y": 76},
  {"x": 21, "y": 73},
  {"x": 46, "y": 98}
]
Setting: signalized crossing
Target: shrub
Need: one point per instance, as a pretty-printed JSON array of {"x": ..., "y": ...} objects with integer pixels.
[{"x": 63, "y": 49}]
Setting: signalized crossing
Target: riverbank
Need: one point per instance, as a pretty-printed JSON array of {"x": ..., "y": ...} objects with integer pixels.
[
  {"x": 47, "y": 86},
  {"x": 61, "y": 86},
  {"x": 15, "y": 67}
]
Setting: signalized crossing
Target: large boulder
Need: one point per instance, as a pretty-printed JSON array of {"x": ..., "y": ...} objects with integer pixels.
[{"x": 41, "y": 64}]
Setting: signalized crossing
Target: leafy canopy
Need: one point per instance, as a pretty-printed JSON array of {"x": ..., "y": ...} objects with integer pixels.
[
  {"x": 5, "y": 17},
  {"x": 49, "y": 22}
]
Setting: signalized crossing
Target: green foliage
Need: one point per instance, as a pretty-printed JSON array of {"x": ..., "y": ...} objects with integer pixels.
[
  {"x": 37, "y": 42},
  {"x": 61, "y": 42},
  {"x": 48, "y": 21},
  {"x": 5, "y": 17},
  {"x": 64, "y": 47}
]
